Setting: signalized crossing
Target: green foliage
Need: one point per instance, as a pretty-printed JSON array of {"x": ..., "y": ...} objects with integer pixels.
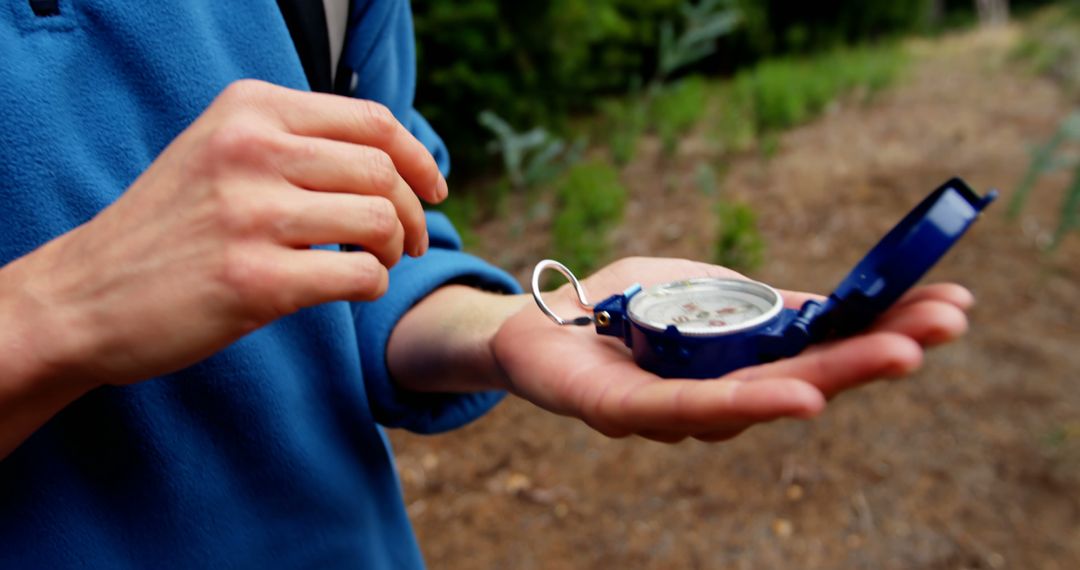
[
  {"x": 536, "y": 63},
  {"x": 531, "y": 62},
  {"x": 1070, "y": 208},
  {"x": 677, "y": 108},
  {"x": 778, "y": 27},
  {"x": 528, "y": 157},
  {"x": 673, "y": 108},
  {"x": 769, "y": 145},
  {"x": 624, "y": 121},
  {"x": 787, "y": 92},
  {"x": 1051, "y": 45},
  {"x": 735, "y": 126},
  {"x": 707, "y": 179},
  {"x": 462, "y": 210},
  {"x": 739, "y": 244},
  {"x": 591, "y": 201},
  {"x": 1047, "y": 158},
  {"x": 703, "y": 24}
]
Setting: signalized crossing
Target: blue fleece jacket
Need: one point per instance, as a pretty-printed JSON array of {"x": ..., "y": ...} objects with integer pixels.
[{"x": 269, "y": 454}]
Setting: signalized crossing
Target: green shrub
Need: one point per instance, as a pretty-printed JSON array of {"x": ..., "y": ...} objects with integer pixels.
[
  {"x": 623, "y": 121},
  {"x": 735, "y": 127},
  {"x": 533, "y": 63},
  {"x": 1051, "y": 45},
  {"x": 536, "y": 63},
  {"x": 707, "y": 179},
  {"x": 529, "y": 158},
  {"x": 677, "y": 108},
  {"x": 1047, "y": 158},
  {"x": 777, "y": 89},
  {"x": 590, "y": 202},
  {"x": 739, "y": 245},
  {"x": 787, "y": 92}
]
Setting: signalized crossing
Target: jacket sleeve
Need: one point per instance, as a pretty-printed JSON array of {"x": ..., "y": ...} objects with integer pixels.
[{"x": 381, "y": 53}]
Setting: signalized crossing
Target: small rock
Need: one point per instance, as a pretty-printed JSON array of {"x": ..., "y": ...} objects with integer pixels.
[
  {"x": 673, "y": 232},
  {"x": 783, "y": 528},
  {"x": 429, "y": 461},
  {"x": 517, "y": 482}
]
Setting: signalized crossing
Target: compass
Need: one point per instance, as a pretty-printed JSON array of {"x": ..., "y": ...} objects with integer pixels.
[{"x": 707, "y": 327}]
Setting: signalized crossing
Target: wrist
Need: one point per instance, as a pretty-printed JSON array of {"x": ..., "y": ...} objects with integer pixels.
[
  {"x": 444, "y": 343},
  {"x": 34, "y": 384},
  {"x": 38, "y": 342}
]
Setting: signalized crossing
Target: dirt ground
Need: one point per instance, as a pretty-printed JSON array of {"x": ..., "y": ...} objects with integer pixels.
[{"x": 972, "y": 463}]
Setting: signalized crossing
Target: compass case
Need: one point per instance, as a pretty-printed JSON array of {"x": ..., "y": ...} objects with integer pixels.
[
  {"x": 896, "y": 263},
  {"x": 900, "y": 259}
]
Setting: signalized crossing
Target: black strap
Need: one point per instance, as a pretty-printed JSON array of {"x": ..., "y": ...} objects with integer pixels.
[{"x": 306, "y": 20}]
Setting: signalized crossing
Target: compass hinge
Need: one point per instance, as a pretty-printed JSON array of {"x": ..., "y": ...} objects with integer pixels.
[{"x": 610, "y": 318}]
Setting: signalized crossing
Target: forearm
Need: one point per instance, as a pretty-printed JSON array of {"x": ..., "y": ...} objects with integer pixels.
[
  {"x": 443, "y": 344},
  {"x": 32, "y": 389}
]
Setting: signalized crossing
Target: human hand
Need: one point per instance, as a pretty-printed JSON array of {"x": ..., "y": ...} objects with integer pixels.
[
  {"x": 212, "y": 241},
  {"x": 573, "y": 371}
]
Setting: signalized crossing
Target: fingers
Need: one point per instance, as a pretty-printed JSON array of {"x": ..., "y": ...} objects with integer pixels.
[
  {"x": 333, "y": 166},
  {"x": 318, "y": 218},
  {"x": 929, "y": 323},
  {"x": 892, "y": 350},
  {"x": 950, "y": 293},
  {"x": 931, "y": 315},
  {"x": 796, "y": 299},
  {"x": 844, "y": 364},
  {"x": 926, "y": 316},
  {"x": 716, "y": 410},
  {"x": 676, "y": 408},
  {"x": 364, "y": 123},
  {"x": 312, "y": 277}
]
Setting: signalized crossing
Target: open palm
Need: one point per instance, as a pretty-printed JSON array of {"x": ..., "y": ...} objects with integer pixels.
[{"x": 575, "y": 372}]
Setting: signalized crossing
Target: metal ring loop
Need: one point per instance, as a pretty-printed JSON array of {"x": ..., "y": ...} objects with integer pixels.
[{"x": 578, "y": 289}]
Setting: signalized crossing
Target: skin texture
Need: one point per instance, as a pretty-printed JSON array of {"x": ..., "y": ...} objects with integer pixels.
[
  {"x": 574, "y": 372},
  {"x": 236, "y": 200}
]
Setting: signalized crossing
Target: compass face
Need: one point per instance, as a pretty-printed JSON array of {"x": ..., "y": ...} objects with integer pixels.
[{"x": 705, "y": 307}]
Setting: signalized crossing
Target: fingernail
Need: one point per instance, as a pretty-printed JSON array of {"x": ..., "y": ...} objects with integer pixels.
[
  {"x": 425, "y": 241},
  {"x": 442, "y": 190}
]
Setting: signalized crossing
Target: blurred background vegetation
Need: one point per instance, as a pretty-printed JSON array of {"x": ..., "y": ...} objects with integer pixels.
[
  {"x": 544, "y": 62},
  {"x": 1052, "y": 48},
  {"x": 523, "y": 92}
]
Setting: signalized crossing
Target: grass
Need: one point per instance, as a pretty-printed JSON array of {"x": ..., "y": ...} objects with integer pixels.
[
  {"x": 784, "y": 93},
  {"x": 734, "y": 125},
  {"x": 591, "y": 201},
  {"x": 738, "y": 242},
  {"x": 772, "y": 96},
  {"x": 623, "y": 121},
  {"x": 1051, "y": 45},
  {"x": 677, "y": 108}
]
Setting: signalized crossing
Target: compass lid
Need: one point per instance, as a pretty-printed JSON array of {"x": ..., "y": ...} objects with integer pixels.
[{"x": 901, "y": 258}]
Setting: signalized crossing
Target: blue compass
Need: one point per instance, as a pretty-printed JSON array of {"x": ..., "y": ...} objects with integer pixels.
[{"x": 706, "y": 327}]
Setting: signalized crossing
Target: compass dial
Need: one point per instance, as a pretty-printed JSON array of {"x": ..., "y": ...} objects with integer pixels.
[{"x": 701, "y": 307}]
